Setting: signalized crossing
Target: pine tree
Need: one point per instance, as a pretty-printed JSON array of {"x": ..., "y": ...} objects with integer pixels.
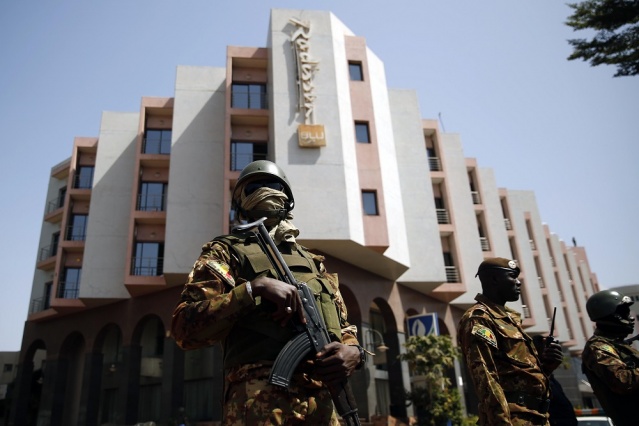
[{"x": 616, "y": 41}]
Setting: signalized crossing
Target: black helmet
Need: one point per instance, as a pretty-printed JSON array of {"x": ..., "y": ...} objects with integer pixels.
[
  {"x": 605, "y": 303},
  {"x": 264, "y": 170}
]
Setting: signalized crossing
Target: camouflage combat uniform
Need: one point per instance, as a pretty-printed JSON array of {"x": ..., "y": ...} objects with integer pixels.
[
  {"x": 215, "y": 306},
  {"x": 504, "y": 366},
  {"x": 612, "y": 368}
]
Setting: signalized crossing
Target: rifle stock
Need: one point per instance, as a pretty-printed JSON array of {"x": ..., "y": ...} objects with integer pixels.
[{"x": 312, "y": 336}]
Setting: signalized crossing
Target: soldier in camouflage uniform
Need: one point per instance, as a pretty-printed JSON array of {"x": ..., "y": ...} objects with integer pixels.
[
  {"x": 232, "y": 296},
  {"x": 612, "y": 365},
  {"x": 509, "y": 376}
]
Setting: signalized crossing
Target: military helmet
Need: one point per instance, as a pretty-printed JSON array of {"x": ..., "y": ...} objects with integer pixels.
[
  {"x": 264, "y": 170},
  {"x": 605, "y": 303}
]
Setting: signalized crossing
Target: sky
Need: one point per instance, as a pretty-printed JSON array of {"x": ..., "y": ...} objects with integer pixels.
[{"x": 494, "y": 72}]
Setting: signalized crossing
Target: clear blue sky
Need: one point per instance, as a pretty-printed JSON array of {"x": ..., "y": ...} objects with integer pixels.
[{"x": 496, "y": 71}]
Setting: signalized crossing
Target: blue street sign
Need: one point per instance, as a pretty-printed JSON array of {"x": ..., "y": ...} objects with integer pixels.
[{"x": 423, "y": 324}]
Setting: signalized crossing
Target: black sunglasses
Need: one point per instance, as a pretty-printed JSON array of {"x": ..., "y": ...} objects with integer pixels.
[{"x": 254, "y": 186}]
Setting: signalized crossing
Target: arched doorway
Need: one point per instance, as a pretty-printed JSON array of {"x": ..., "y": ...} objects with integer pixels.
[
  {"x": 70, "y": 368},
  {"x": 109, "y": 345},
  {"x": 150, "y": 333}
]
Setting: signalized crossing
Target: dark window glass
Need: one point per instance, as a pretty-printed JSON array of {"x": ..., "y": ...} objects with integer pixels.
[
  {"x": 248, "y": 96},
  {"x": 152, "y": 197},
  {"x": 157, "y": 141},
  {"x": 47, "y": 295},
  {"x": 243, "y": 153},
  {"x": 355, "y": 71},
  {"x": 448, "y": 259},
  {"x": 369, "y": 200},
  {"x": 76, "y": 231},
  {"x": 148, "y": 259},
  {"x": 70, "y": 287},
  {"x": 55, "y": 239},
  {"x": 361, "y": 132},
  {"x": 62, "y": 192},
  {"x": 84, "y": 177}
]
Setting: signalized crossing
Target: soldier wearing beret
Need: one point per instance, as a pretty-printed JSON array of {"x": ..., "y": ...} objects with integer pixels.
[
  {"x": 610, "y": 363},
  {"x": 233, "y": 296},
  {"x": 509, "y": 375}
]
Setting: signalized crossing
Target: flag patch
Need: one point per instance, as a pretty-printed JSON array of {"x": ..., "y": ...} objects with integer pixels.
[
  {"x": 609, "y": 349},
  {"x": 222, "y": 269},
  {"x": 486, "y": 334}
]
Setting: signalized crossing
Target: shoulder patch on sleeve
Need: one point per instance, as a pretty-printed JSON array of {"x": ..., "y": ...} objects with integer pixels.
[
  {"x": 222, "y": 269},
  {"x": 485, "y": 334},
  {"x": 608, "y": 348}
]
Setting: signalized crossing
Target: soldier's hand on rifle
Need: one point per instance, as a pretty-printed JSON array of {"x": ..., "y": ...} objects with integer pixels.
[
  {"x": 283, "y": 295},
  {"x": 551, "y": 357},
  {"x": 336, "y": 361}
]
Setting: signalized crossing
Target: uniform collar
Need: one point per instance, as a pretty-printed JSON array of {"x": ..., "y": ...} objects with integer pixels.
[{"x": 496, "y": 310}]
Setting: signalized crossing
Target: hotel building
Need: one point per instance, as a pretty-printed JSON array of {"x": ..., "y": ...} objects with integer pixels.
[{"x": 399, "y": 212}]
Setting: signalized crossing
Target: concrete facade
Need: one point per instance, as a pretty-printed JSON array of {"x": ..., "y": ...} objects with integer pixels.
[{"x": 103, "y": 299}]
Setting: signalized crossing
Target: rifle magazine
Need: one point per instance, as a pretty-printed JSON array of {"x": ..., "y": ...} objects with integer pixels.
[{"x": 288, "y": 359}]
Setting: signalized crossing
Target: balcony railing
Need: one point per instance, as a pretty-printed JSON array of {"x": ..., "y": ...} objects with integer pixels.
[
  {"x": 508, "y": 225},
  {"x": 533, "y": 247},
  {"x": 37, "y": 305},
  {"x": 434, "y": 164},
  {"x": 55, "y": 204},
  {"x": 442, "y": 216},
  {"x": 476, "y": 197},
  {"x": 76, "y": 233},
  {"x": 541, "y": 282},
  {"x": 240, "y": 98},
  {"x": 485, "y": 245},
  {"x": 151, "y": 203},
  {"x": 452, "y": 274},
  {"x": 68, "y": 293},
  {"x": 147, "y": 266},
  {"x": 526, "y": 311},
  {"x": 83, "y": 181},
  {"x": 156, "y": 146},
  {"x": 239, "y": 161},
  {"x": 47, "y": 252}
]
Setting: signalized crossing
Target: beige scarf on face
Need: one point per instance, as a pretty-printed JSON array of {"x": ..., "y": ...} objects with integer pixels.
[{"x": 270, "y": 199}]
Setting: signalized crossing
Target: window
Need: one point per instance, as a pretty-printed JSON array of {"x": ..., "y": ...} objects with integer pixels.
[
  {"x": 55, "y": 240},
  {"x": 243, "y": 153},
  {"x": 76, "y": 231},
  {"x": 369, "y": 202},
  {"x": 62, "y": 192},
  {"x": 47, "y": 294},
  {"x": 248, "y": 96},
  {"x": 361, "y": 132},
  {"x": 355, "y": 71},
  {"x": 452, "y": 275},
  {"x": 157, "y": 141},
  {"x": 152, "y": 197},
  {"x": 84, "y": 177},
  {"x": 70, "y": 287},
  {"x": 7, "y": 368},
  {"x": 148, "y": 260}
]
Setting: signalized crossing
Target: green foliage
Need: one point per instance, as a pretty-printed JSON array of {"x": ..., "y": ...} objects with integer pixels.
[
  {"x": 616, "y": 41},
  {"x": 431, "y": 358}
]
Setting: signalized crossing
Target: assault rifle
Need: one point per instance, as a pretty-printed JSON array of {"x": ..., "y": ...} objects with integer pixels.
[
  {"x": 312, "y": 336},
  {"x": 550, "y": 338}
]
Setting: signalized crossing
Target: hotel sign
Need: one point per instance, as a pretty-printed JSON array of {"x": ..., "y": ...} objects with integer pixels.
[{"x": 310, "y": 135}]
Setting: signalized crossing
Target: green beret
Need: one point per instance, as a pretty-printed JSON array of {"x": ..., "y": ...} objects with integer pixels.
[{"x": 498, "y": 263}]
